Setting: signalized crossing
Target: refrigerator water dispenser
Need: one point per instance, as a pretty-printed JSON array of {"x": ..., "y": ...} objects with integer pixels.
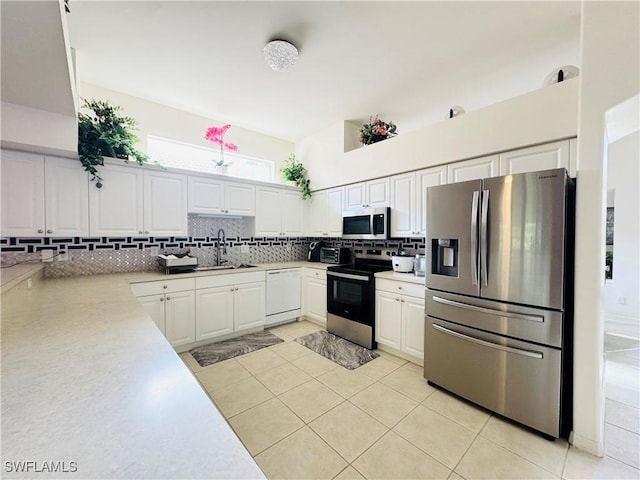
[{"x": 444, "y": 256}]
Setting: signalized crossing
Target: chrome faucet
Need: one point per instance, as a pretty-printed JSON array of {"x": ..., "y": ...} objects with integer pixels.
[{"x": 221, "y": 245}]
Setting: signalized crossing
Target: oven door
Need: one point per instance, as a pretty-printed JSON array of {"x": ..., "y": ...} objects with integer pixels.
[{"x": 350, "y": 296}]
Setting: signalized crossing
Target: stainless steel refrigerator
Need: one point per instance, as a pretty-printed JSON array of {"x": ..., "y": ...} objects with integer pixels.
[{"x": 499, "y": 295}]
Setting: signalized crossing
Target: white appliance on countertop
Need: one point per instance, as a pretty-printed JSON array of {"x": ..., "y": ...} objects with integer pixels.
[
  {"x": 284, "y": 296},
  {"x": 402, "y": 263}
]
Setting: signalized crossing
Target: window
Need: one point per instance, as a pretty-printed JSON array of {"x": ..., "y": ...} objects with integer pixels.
[{"x": 186, "y": 156}]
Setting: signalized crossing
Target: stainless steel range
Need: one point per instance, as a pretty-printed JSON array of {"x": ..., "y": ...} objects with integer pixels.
[{"x": 351, "y": 295}]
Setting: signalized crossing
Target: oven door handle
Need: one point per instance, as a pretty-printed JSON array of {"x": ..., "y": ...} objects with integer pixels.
[
  {"x": 484, "y": 343},
  {"x": 350, "y": 276}
]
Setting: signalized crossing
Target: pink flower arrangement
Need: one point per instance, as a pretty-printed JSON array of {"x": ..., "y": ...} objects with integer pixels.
[
  {"x": 216, "y": 135},
  {"x": 376, "y": 130}
]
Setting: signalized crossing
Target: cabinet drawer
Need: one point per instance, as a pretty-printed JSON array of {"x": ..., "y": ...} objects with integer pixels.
[
  {"x": 391, "y": 286},
  {"x": 165, "y": 286},
  {"x": 222, "y": 279},
  {"x": 318, "y": 273}
]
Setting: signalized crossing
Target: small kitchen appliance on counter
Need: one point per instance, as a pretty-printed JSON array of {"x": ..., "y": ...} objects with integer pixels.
[
  {"x": 314, "y": 251},
  {"x": 336, "y": 256},
  {"x": 402, "y": 263},
  {"x": 178, "y": 263}
]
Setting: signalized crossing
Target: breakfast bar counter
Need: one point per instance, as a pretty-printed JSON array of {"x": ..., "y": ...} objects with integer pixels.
[{"x": 92, "y": 389}]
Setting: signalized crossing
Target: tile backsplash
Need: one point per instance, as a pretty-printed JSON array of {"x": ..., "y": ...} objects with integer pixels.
[{"x": 100, "y": 255}]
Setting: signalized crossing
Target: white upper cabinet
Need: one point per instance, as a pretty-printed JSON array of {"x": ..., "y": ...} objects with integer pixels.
[
  {"x": 137, "y": 202},
  {"x": 216, "y": 197},
  {"x": 473, "y": 169},
  {"x": 116, "y": 208},
  {"x": 165, "y": 204},
  {"x": 316, "y": 214},
  {"x": 429, "y": 177},
  {"x": 22, "y": 194},
  {"x": 403, "y": 205},
  {"x": 240, "y": 199},
  {"x": 374, "y": 193},
  {"x": 66, "y": 190},
  {"x": 43, "y": 196},
  {"x": 292, "y": 214},
  {"x": 408, "y": 200},
  {"x": 540, "y": 157},
  {"x": 279, "y": 213},
  {"x": 323, "y": 213},
  {"x": 335, "y": 206}
]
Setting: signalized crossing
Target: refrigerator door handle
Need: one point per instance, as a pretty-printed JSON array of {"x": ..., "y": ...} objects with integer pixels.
[
  {"x": 484, "y": 241},
  {"x": 475, "y": 308},
  {"x": 518, "y": 351},
  {"x": 474, "y": 237}
]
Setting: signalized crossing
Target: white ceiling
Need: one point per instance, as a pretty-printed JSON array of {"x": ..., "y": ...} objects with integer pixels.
[{"x": 407, "y": 61}]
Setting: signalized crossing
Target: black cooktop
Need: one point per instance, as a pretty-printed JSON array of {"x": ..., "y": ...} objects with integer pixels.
[{"x": 363, "y": 266}]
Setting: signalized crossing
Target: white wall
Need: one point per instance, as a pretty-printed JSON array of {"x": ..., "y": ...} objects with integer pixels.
[
  {"x": 610, "y": 73},
  {"x": 163, "y": 121},
  {"x": 541, "y": 116},
  {"x": 623, "y": 172},
  {"x": 25, "y": 128}
]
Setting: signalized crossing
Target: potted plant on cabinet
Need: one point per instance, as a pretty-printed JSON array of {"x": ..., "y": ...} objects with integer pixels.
[
  {"x": 104, "y": 133},
  {"x": 294, "y": 172}
]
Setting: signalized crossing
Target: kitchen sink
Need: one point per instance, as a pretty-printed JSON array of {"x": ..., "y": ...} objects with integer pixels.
[{"x": 224, "y": 267}]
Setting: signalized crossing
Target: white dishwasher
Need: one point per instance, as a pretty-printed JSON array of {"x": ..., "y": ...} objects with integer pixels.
[{"x": 284, "y": 292}]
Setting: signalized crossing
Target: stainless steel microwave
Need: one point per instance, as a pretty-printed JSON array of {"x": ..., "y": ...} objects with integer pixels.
[{"x": 367, "y": 224}]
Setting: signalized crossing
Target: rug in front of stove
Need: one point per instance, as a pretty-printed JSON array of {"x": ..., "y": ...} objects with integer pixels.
[
  {"x": 219, "y": 351},
  {"x": 338, "y": 350}
]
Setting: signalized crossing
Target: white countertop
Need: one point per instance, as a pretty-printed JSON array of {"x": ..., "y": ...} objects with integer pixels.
[
  {"x": 401, "y": 277},
  {"x": 151, "y": 276},
  {"x": 88, "y": 378}
]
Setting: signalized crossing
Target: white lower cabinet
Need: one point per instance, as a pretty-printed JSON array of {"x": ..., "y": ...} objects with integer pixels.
[
  {"x": 154, "y": 306},
  {"x": 171, "y": 305},
  {"x": 179, "y": 318},
  {"x": 400, "y": 316},
  {"x": 314, "y": 295},
  {"x": 248, "y": 306},
  {"x": 174, "y": 314},
  {"x": 229, "y": 303},
  {"x": 214, "y": 312}
]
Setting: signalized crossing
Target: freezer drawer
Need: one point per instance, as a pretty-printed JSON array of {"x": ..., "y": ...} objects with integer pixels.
[
  {"x": 515, "y": 379},
  {"x": 525, "y": 323}
]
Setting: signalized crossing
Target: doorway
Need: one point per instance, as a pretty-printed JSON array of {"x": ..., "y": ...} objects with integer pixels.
[{"x": 621, "y": 291}]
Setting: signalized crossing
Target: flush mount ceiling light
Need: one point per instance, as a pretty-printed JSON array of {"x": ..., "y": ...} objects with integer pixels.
[{"x": 280, "y": 55}]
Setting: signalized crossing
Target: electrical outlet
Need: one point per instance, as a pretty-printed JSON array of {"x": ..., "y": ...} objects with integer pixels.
[
  {"x": 29, "y": 282},
  {"x": 46, "y": 255},
  {"x": 63, "y": 257},
  {"x": 154, "y": 251},
  {"x": 244, "y": 248}
]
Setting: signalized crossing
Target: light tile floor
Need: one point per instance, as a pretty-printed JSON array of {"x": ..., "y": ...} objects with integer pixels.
[{"x": 303, "y": 416}]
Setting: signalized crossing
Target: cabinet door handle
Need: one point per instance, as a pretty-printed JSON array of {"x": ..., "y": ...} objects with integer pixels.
[
  {"x": 147, "y": 233},
  {"x": 140, "y": 232},
  {"x": 162, "y": 299},
  {"x": 168, "y": 298},
  {"x": 40, "y": 230},
  {"x": 49, "y": 231},
  {"x": 164, "y": 286}
]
